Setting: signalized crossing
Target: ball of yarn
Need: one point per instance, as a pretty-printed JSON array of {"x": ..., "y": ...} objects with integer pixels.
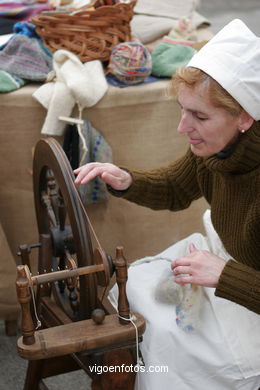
[{"x": 130, "y": 63}]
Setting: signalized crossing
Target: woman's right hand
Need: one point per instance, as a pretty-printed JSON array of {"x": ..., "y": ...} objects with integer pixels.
[{"x": 115, "y": 177}]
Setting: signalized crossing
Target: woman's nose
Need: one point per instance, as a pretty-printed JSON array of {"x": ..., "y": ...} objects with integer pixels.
[{"x": 185, "y": 124}]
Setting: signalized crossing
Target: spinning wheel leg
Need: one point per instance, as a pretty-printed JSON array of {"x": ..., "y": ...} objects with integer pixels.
[
  {"x": 123, "y": 380},
  {"x": 33, "y": 375},
  {"x": 39, "y": 369}
]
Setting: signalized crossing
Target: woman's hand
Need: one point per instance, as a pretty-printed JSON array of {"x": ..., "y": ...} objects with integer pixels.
[
  {"x": 199, "y": 266},
  {"x": 112, "y": 175}
]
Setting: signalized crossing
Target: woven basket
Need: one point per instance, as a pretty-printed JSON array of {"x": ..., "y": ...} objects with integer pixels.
[{"x": 91, "y": 34}]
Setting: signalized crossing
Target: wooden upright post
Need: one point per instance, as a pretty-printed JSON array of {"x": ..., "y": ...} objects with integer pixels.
[
  {"x": 121, "y": 279},
  {"x": 24, "y": 298}
]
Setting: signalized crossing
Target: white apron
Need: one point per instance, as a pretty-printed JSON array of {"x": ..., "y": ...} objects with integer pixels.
[{"x": 203, "y": 343}]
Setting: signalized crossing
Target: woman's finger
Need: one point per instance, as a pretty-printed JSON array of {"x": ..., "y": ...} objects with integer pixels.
[
  {"x": 88, "y": 174},
  {"x": 192, "y": 247},
  {"x": 181, "y": 270},
  {"x": 185, "y": 279},
  {"x": 181, "y": 261}
]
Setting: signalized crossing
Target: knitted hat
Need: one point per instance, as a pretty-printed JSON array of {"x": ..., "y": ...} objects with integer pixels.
[
  {"x": 167, "y": 58},
  {"x": 232, "y": 58},
  {"x": 26, "y": 57}
]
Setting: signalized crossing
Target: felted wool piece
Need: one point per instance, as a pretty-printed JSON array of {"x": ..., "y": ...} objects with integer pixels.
[
  {"x": 167, "y": 58},
  {"x": 26, "y": 57},
  {"x": 56, "y": 98},
  {"x": 84, "y": 84},
  {"x": 10, "y": 82},
  {"x": 167, "y": 291},
  {"x": 98, "y": 150},
  {"x": 186, "y": 300}
]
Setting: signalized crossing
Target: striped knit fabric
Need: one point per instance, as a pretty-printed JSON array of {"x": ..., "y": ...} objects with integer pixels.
[{"x": 26, "y": 57}]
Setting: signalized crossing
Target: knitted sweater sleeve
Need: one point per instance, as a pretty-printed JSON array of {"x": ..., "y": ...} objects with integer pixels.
[
  {"x": 173, "y": 187},
  {"x": 241, "y": 284}
]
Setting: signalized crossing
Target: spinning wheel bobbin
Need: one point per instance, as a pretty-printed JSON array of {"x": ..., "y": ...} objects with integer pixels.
[{"x": 100, "y": 267}]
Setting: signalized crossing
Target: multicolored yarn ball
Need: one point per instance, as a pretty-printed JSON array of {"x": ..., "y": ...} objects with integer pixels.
[{"x": 130, "y": 63}]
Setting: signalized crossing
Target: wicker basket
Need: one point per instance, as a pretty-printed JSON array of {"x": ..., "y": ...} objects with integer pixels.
[{"x": 91, "y": 34}]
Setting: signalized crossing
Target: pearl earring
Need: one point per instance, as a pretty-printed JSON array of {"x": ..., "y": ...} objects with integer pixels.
[{"x": 243, "y": 131}]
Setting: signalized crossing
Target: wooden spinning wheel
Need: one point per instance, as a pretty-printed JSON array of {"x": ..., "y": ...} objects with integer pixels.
[{"x": 77, "y": 328}]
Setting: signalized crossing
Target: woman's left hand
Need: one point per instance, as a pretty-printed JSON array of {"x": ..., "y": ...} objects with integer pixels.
[{"x": 200, "y": 267}]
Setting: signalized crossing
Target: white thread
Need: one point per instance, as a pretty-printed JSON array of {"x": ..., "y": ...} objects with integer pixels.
[
  {"x": 83, "y": 140},
  {"x": 39, "y": 324},
  {"x": 30, "y": 283},
  {"x": 139, "y": 361}
]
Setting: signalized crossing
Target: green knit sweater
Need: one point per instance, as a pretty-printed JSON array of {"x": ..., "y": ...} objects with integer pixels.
[{"x": 231, "y": 187}]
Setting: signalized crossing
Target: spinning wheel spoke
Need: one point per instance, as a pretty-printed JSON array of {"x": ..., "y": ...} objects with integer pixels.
[
  {"x": 49, "y": 209},
  {"x": 52, "y": 192},
  {"x": 61, "y": 211}
]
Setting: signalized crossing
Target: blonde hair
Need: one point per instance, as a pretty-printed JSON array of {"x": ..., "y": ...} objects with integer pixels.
[{"x": 219, "y": 97}]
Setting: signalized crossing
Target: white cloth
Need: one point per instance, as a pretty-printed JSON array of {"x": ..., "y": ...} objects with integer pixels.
[
  {"x": 240, "y": 326},
  {"x": 75, "y": 82},
  {"x": 232, "y": 58},
  {"x": 211, "y": 356}
]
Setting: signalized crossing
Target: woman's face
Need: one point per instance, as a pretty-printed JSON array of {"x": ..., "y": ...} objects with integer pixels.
[{"x": 209, "y": 129}]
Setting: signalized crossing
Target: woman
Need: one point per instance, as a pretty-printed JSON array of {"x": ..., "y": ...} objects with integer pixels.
[{"x": 218, "y": 93}]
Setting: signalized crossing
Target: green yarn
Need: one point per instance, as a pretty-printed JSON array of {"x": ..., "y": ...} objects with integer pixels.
[{"x": 167, "y": 58}]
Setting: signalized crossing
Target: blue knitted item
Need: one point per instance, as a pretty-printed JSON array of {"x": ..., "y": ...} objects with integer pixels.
[{"x": 98, "y": 151}]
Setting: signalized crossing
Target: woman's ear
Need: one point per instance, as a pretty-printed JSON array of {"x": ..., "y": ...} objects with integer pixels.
[{"x": 245, "y": 121}]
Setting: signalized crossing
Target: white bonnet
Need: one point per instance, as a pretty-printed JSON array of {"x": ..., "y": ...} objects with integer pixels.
[{"x": 232, "y": 58}]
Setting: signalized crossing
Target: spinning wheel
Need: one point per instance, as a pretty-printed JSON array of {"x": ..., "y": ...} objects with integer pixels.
[{"x": 68, "y": 286}]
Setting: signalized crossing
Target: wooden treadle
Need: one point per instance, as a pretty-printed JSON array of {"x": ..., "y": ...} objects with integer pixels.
[{"x": 80, "y": 336}]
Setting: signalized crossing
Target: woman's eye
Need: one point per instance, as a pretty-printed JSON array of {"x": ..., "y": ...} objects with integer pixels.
[{"x": 200, "y": 117}]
